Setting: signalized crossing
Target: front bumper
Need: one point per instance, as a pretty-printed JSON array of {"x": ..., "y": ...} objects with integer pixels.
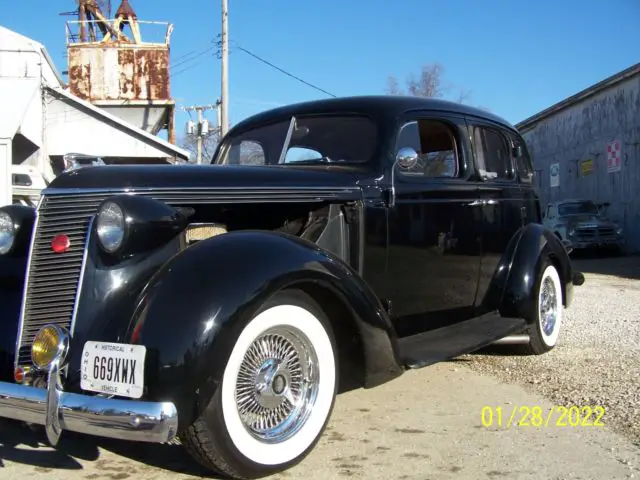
[
  {"x": 581, "y": 243},
  {"x": 93, "y": 415}
]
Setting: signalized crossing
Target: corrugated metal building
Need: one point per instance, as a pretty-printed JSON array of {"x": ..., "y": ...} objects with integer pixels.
[{"x": 588, "y": 146}]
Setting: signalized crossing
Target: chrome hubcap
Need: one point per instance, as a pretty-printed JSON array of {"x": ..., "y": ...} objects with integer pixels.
[
  {"x": 277, "y": 384},
  {"x": 548, "y": 306}
]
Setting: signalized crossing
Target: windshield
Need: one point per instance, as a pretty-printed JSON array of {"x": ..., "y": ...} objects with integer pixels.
[
  {"x": 302, "y": 140},
  {"x": 577, "y": 208}
]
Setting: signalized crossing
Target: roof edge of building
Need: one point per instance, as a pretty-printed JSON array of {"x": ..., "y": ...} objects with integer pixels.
[
  {"x": 177, "y": 151},
  {"x": 581, "y": 95}
]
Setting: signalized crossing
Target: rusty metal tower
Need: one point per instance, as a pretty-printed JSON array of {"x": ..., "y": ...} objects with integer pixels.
[{"x": 112, "y": 66}]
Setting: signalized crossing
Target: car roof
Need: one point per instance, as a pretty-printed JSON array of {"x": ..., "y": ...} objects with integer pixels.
[{"x": 375, "y": 105}]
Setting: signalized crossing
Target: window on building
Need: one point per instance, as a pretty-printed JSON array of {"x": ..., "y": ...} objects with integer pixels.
[
  {"x": 436, "y": 145},
  {"x": 21, "y": 180}
]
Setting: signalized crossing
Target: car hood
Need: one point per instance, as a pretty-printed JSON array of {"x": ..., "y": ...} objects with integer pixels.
[{"x": 210, "y": 176}]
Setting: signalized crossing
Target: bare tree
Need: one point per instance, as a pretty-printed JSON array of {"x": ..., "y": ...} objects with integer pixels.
[
  {"x": 429, "y": 83},
  {"x": 209, "y": 144}
]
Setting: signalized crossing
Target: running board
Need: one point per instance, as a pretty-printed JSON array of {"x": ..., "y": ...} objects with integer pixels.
[{"x": 444, "y": 343}]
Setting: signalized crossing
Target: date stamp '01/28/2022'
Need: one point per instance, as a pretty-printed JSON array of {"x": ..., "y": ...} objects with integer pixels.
[{"x": 539, "y": 417}]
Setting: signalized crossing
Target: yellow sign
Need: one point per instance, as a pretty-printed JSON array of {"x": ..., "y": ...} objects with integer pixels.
[{"x": 586, "y": 167}]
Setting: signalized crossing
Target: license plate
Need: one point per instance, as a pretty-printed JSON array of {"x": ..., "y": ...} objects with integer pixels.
[{"x": 113, "y": 368}]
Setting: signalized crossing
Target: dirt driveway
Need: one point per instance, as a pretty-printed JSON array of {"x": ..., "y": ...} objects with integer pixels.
[{"x": 427, "y": 424}]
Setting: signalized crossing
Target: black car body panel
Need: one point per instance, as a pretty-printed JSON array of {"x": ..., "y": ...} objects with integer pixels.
[{"x": 255, "y": 264}]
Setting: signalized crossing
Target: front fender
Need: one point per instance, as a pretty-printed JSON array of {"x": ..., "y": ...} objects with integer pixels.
[
  {"x": 196, "y": 305},
  {"x": 532, "y": 246},
  {"x": 12, "y": 278}
]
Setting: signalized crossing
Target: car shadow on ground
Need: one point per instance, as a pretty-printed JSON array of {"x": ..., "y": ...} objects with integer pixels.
[
  {"x": 20, "y": 444},
  {"x": 601, "y": 264}
]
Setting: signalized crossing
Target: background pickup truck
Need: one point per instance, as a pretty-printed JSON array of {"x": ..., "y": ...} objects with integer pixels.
[{"x": 581, "y": 224}]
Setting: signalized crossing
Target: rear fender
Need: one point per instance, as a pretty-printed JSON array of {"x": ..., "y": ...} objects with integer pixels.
[
  {"x": 196, "y": 305},
  {"x": 522, "y": 265}
]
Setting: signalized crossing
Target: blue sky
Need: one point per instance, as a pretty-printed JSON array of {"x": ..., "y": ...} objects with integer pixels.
[{"x": 516, "y": 57}]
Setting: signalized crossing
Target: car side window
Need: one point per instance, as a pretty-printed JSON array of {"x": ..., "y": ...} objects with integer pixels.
[
  {"x": 436, "y": 145},
  {"x": 493, "y": 154},
  {"x": 297, "y": 154},
  {"x": 523, "y": 160},
  {"x": 246, "y": 152}
]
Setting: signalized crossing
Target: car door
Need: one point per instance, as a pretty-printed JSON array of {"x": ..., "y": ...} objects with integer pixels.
[
  {"x": 434, "y": 227},
  {"x": 501, "y": 199}
]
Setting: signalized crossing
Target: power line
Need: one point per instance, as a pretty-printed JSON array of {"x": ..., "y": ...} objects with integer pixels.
[
  {"x": 218, "y": 45},
  {"x": 283, "y": 71},
  {"x": 189, "y": 67},
  {"x": 187, "y": 60}
]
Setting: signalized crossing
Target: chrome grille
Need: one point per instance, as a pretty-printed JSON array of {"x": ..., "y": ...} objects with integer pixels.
[{"x": 53, "y": 278}]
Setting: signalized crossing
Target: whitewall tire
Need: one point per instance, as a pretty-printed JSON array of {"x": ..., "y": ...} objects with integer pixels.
[
  {"x": 548, "y": 315},
  {"x": 277, "y": 392}
]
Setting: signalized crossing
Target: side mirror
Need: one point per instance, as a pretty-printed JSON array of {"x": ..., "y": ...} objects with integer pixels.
[{"x": 406, "y": 158}]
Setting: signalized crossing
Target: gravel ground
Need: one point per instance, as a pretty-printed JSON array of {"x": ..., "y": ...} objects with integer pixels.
[{"x": 597, "y": 361}]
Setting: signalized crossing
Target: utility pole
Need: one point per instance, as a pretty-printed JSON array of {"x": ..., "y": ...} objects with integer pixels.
[
  {"x": 202, "y": 128},
  {"x": 224, "y": 95}
]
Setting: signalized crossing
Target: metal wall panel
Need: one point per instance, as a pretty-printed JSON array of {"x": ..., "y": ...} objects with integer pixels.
[{"x": 577, "y": 137}]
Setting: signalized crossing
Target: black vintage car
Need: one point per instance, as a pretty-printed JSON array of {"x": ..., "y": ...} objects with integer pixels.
[{"x": 330, "y": 245}]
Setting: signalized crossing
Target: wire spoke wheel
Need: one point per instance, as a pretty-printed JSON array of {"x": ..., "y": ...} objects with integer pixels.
[
  {"x": 548, "y": 306},
  {"x": 277, "y": 384}
]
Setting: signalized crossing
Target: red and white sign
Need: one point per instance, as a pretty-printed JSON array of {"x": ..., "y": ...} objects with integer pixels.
[{"x": 614, "y": 156}]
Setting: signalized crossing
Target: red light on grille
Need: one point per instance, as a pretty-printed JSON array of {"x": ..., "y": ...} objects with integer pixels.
[
  {"x": 60, "y": 243},
  {"x": 20, "y": 373}
]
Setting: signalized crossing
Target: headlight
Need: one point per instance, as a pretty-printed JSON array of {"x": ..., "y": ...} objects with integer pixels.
[
  {"x": 110, "y": 226},
  {"x": 51, "y": 343},
  {"x": 16, "y": 226},
  {"x": 7, "y": 232},
  {"x": 128, "y": 224},
  {"x": 619, "y": 231},
  {"x": 572, "y": 232}
]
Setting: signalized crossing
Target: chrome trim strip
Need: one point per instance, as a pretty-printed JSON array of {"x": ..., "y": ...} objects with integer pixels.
[
  {"x": 85, "y": 254},
  {"x": 513, "y": 340},
  {"x": 26, "y": 284},
  {"x": 178, "y": 189},
  {"x": 287, "y": 140},
  {"x": 91, "y": 415}
]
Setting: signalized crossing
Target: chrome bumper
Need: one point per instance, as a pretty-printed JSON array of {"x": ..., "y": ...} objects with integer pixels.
[{"x": 106, "y": 417}]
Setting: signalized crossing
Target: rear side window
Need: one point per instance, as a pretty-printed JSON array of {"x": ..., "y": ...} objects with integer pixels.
[
  {"x": 522, "y": 160},
  {"x": 492, "y": 153}
]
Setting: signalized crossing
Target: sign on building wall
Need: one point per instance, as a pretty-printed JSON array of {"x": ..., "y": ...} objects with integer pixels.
[
  {"x": 554, "y": 175},
  {"x": 614, "y": 156},
  {"x": 586, "y": 167}
]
